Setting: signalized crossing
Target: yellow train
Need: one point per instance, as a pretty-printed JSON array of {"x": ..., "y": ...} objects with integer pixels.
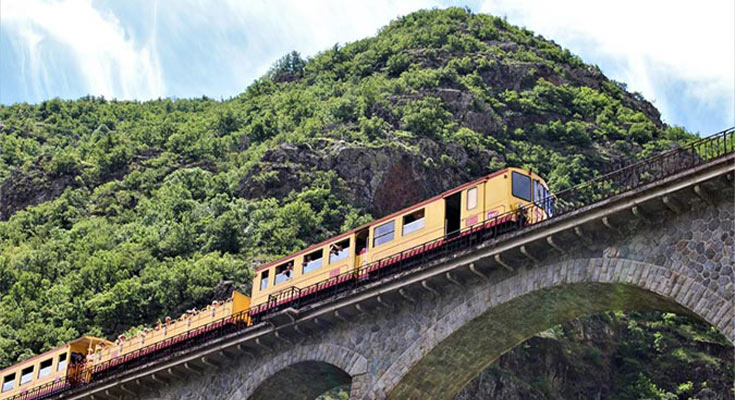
[
  {"x": 480, "y": 204},
  {"x": 504, "y": 200}
]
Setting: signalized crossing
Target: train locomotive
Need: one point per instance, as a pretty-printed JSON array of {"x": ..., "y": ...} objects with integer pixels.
[{"x": 509, "y": 197}]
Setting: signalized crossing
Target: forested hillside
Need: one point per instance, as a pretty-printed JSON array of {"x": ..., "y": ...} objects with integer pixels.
[{"x": 117, "y": 213}]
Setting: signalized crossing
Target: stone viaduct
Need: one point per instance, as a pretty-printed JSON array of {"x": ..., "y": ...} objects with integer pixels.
[{"x": 667, "y": 246}]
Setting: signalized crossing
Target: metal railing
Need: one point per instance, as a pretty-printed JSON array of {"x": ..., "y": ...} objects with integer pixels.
[
  {"x": 600, "y": 188},
  {"x": 645, "y": 171}
]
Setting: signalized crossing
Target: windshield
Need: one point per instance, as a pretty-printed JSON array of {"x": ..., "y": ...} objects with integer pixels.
[{"x": 521, "y": 186}]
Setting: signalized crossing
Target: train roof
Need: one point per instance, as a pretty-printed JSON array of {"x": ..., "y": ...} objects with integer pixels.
[{"x": 387, "y": 217}]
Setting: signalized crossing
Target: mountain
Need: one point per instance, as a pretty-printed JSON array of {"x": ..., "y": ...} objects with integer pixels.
[{"x": 118, "y": 213}]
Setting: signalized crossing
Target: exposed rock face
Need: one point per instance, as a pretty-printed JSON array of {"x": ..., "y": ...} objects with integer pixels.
[
  {"x": 223, "y": 290},
  {"x": 26, "y": 188},
  {"x": 380, "y": 180},
  {"x": 522, "y": 75}
]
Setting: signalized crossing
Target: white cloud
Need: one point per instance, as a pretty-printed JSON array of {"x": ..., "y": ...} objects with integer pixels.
[
  {"x": 677, "y": 53},
  {"x": 647, "y": 44},
  {"x": 109, "y": 62},
  {"x": 246, "y": 37}
]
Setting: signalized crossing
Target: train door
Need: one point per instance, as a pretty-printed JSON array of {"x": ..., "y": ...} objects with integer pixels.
[
  {"x": 452, "y": 214},
  {"x": 361, "y": 247},
  {"x": 75, "y": 371}
]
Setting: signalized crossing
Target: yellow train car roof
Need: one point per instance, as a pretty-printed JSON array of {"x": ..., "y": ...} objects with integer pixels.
[
  {"x": 90, "y": 340},
  {"x": 390, "y": 216}
]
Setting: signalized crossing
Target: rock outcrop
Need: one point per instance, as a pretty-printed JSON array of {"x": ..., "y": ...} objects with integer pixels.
[
  {"x": 30, "y": 187},
  {"x": 381, "y": 180}
]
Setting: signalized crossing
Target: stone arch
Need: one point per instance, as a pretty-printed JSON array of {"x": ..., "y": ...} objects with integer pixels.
[
  {"x": 304, "y": 380},
  {"x": 498, "y": 317},
  {"x": 307, "y": 370}
]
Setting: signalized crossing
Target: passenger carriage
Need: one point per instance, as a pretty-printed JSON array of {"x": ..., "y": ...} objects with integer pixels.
[
  {"x": 53, "y": 371},
  {"x": 88, "y": 358},
  {"x": 472, "y": 207}
]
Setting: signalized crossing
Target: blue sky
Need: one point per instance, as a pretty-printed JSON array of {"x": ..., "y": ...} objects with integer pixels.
[{"x": 679, "y": 54}]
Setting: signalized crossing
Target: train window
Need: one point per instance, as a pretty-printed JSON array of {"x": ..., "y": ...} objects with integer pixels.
[
  {"x": 8, "y": 382},
  {"x": 413, "y": 222},
  {"x": 45, "y": 368},
  {"x": 26, "y": 375},
  {"x": 312, "y": 261},
  {"x": 339, "y": 251},
  {"x": 384, "y": 233},
  {"x": 472, "y": 198},
  {"x": 284, "y": 272},
  {"x": 264, "y": 280},
  {"x": 521, "y": 186},
  {"x": 62, "y": 362},
  {"x": 542, "y": 197},
  {"x": 538, "y": 191}
]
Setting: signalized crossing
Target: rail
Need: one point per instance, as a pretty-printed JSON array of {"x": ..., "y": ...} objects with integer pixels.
[{"x": 600, "y": 188}]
